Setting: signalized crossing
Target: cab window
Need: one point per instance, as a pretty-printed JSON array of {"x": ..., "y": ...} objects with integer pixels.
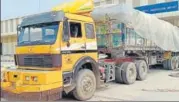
[
  {"x": 75, "y": 30},
  {"x": 89, "y": 29}
]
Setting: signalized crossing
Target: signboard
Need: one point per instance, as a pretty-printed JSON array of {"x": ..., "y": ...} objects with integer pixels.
[{"x": 160, "y": 8}]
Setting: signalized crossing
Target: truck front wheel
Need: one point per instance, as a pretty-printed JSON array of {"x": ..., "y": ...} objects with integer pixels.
[{"x": 85, "y": 85}]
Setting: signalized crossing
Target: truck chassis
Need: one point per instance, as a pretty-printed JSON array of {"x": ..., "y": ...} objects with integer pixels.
[{"x": 127, "y": 66}]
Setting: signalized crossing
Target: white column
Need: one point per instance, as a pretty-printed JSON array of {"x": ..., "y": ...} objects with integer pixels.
[
  {"x": 102, "y": 2},
  {"x": 130, "y": 2},
  {"x": 3, "y": 24},
  {"x": 160, "y": 1},
  {"x": 115, "y": 1},
  {"x": 15, "y": 25},
  {"x": 9, "y": 45},
  {"x": 9, "y": 26},
  {"x": 5, "y": 48},
  {"x": 20, "y": 20},
  {"x": 143, "y": 2},
  {"x": 1, "y": 27}
]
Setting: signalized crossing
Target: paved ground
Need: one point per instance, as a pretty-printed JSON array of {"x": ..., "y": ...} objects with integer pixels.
[{"x": 159, "y": 86}]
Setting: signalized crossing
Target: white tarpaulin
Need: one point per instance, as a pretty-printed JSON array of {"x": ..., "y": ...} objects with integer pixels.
[{"x": 162, "y": 33}]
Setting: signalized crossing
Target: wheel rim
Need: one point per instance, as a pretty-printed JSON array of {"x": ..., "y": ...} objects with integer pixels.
[
  {"x": 173, "y": 63},
  {"x": 177, "y": 64},
  {"x": 87, "y": 85},
  {"x": 131, "y": 73},
  {"x": 143, "y": 68}
]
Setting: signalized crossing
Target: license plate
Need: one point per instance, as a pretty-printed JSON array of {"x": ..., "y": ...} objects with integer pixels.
[{"x": 14, "y": 85}]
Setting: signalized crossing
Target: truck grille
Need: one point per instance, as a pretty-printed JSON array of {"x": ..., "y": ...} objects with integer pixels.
[
  {"x": 38, "y": 61},
  {"x": 45, "y": 61}
]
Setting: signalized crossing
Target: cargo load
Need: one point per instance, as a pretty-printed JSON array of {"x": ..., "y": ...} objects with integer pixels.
[{"x": 145, "y": 25}]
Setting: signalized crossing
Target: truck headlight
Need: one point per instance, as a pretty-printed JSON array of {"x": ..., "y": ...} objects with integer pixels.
[
  {"x": 27, "y": 78},
  {"x": 35, "y": 78}
]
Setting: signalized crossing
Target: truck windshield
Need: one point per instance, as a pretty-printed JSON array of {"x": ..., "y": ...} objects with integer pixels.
[{"x": 39, "y": 34}]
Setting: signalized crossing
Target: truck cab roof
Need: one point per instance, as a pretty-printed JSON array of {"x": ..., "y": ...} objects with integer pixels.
[{"x": 52, "y": 16}]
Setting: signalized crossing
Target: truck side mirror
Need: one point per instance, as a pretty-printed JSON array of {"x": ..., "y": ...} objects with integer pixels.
[{"x": 66, "y": 36}]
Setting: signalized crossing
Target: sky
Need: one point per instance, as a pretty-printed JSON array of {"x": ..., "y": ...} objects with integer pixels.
[{"x": 19, "y": 8}]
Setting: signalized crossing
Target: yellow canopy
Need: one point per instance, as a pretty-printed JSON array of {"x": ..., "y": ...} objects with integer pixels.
[{"x": 76, "y": 7}]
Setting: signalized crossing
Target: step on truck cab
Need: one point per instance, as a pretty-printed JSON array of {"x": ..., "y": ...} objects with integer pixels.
[{"x": 56, "y": 52}]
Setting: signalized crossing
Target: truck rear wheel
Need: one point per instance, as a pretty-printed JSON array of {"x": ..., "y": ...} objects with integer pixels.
[
  {"x": 178, "y": 61},
  {"x": 85, "y": 85},
  {"x": 129, "y": 73},
  {"x": 118, "y": 74},
  {"x": 165, "y": 64},
  {"x": 142, "y": 69},
  {"x": 173, "y": 63}
]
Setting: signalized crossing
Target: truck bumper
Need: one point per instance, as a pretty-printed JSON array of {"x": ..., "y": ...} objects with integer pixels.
[{"x": 49, "y": 95}]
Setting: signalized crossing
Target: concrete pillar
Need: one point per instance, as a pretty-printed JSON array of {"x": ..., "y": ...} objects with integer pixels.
[
  {"x": 3, "y": 24},
  {"x": 14, "y": 25},
  {"x": 9, "y": 48},
  {"x": 130, "y": 2},
  {"x": 161, "y": 1},
  {"x": 143, "y": 2},
  {"x": 9, "y": 26}
]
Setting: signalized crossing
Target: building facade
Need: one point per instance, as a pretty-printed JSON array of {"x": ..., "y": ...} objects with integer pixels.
[
  {"x": 9, "y": 33},
  {"x": 167, "y": 10},
  {"x": 134, "y": 3}
]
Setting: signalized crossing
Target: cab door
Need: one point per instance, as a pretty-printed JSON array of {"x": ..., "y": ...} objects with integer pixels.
[
  {"x": 75, "y": 48},
  {"x": 90, "y": 40}
]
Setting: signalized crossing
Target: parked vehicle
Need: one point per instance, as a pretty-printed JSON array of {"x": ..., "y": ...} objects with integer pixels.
[{"x": 59, "y": 51}]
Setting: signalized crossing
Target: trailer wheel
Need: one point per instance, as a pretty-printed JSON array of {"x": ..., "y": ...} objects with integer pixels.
[
  {"x": 178, "y": 61},
  {"x": 166, "y": 64},
  {"x": 173, "y": 63},
  {"x": 118, "y": 74},
  {"x": 129, "y": 73},
  {"x": 142, "y": 69},
  {"x": 85, "y": 85}
]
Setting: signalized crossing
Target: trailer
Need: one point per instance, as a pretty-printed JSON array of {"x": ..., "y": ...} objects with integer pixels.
[
  {"x": 127, "y": 46},
  {"x": 118, "y": 57}
]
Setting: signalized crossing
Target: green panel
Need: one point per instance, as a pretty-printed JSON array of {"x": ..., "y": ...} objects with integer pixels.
[
  {"x": 116, "y": 40},
  {"x": 101, "y": 40}
]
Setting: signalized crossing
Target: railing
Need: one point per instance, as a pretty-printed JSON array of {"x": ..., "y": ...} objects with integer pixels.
[{"x": 129, "y": 41}]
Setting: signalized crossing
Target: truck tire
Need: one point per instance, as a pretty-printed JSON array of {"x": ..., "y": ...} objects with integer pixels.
[
  {"x": 165, "y": 64},
  {"x": 178, "y": 62},
  {"x": 173, "y": 63},
  {"x": 129, "y": 73},
  {"x": 118, "y": 74},
  {"x": 142, "y": 69},
  {"x": 85, "y": 85}
]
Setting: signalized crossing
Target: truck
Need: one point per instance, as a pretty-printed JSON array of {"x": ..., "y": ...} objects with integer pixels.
[{"x": 61, "y": 52}]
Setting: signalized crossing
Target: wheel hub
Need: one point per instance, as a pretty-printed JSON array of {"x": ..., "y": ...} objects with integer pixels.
[
  {"x": 143, "y": 69},
  {"x": 87, "y": 84},
  {"x": 131, "y": 72}
]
